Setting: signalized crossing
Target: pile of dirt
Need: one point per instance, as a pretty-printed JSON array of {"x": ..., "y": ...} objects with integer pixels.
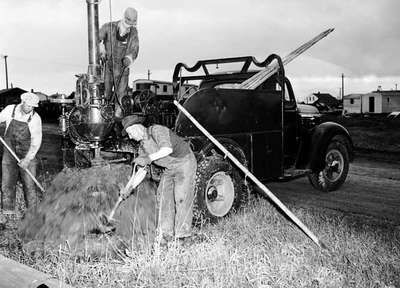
[{"x": 71, "y": 208}]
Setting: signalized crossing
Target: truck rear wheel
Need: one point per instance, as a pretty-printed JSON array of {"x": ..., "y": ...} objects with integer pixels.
[
  {"x": 219, "y": 189},
  {"x": 336, "y": 168}
]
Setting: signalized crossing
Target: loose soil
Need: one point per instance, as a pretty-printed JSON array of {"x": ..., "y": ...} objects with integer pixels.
[{"x": 71, "y": 211}]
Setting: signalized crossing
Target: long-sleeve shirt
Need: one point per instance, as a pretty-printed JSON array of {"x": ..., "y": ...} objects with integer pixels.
[
  {"x": 158, "y": 137},
  {"x": 126, "y": 46},
  {"x": 35, "y": 126}
]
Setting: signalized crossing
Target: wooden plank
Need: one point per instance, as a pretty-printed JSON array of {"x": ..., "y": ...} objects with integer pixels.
[
  {"x": 17, "y": 275},
  {"x": 256, "y": 80}
]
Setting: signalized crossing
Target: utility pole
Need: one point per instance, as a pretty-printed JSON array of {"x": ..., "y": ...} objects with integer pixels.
[
  {"x": 5, "y": 64},
  {"x": 148, "y": 74},
  {"x": 396, "y": 86},
  {"x": 342, "y": 86}
]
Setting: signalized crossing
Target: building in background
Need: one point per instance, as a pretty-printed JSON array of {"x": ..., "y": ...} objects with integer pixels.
[
  {"x": 10, "y": 96},
  {"x": 162, "y": 88},
  {"x": 376, "y": 102},
  {"x": 41, "y": 95},
  {"x": 324, "y": 102}
]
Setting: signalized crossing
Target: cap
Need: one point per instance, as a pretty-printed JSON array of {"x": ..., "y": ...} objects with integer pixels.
[
  {"x": 133, "y": 119},
  {"x": 30, "y": 98},
  {"x": 130, "y": 16}
]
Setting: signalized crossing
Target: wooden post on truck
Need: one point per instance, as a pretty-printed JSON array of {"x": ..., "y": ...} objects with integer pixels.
[{"x": 256, "y": 80}]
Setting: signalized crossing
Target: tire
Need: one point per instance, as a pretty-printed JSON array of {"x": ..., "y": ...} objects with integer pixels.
[
  {"x": 219, "y": 190},
  {"x": 336, "y": 166},
  {"x": 237, "y": 152}
]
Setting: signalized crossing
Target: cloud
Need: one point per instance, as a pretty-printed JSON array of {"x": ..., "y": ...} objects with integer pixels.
[{"x": 48, "y": 38}]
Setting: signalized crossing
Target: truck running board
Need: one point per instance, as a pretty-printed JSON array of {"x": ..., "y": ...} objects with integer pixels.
[{"x": 291, "y": 174}]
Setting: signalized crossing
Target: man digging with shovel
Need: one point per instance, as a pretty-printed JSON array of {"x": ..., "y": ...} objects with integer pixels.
[
  {"x": 161, "y": 146},
  {"x": 23, "y": 135}
]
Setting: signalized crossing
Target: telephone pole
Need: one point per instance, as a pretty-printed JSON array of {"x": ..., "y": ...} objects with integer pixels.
[
  {"x": 5, "y": 64},
  {"x": 148, "y": 74},
  {"x": 342, "y": 86}
]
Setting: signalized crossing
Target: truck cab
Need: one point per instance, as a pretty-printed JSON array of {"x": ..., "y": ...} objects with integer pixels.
[{"x": 264, "y": 128}]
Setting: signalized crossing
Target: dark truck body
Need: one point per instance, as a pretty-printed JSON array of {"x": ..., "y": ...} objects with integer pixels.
[
  {"x": 265, "y": 123},
  {"x": 265, "y": 129}
]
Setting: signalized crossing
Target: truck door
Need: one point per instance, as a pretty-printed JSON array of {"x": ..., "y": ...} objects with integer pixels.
[
  {"x": 267, "y": 138},
  {"x": 290, "y": 120}
]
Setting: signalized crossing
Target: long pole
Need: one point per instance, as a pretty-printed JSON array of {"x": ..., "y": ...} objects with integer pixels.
[
  {"x": 18, "y": 161},
  {"x": 267, "y": 192},
  {"x": 5, "y": 64},
  {"x": 257, "y": 79}
]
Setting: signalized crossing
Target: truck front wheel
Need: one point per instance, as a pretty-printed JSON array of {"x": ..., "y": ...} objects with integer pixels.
[
  {"x": 336, "y": 168},
  {"x": 219, "y": 189}
]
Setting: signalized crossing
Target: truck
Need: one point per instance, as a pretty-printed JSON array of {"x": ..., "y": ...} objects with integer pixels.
[{"x": 264, "y": 128}]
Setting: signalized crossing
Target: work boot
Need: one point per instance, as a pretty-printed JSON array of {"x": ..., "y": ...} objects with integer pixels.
[
  {"x": 184, "y": 242},
  {"x": 165, "y": 239},
  {"x": 10, "y": 217},
  {"x": 3, "y": 221}
]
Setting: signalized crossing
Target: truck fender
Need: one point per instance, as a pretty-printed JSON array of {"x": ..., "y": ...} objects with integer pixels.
[
  {"x": 231, "y": 145},
  {"x": 321, "y": 137}
]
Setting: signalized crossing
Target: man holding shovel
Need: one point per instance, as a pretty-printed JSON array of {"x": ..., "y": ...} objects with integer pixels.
[
  {"x": 161, "y": 146},
  {"x": 23, "y": 135}
]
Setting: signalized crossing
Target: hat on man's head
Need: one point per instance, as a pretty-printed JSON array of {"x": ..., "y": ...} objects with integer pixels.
[
  {"x": 130, "y": 16},
  {"x": 30, "y": 98},
  {"x": 133, "y": 119}
]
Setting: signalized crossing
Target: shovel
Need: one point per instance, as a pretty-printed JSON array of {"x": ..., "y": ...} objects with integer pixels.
[
  {"x": 19, "y": 161},
  {"x": 137, "y": 177}
]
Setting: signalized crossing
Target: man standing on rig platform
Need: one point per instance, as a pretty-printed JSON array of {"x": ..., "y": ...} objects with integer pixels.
[{"x": 119, "y": 47}]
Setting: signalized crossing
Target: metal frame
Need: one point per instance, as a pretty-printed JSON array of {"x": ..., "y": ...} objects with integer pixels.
[{"x": 177, "y": 79}]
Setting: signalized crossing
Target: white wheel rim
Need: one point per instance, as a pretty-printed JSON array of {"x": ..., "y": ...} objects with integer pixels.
[
  {"x": 219, "y": 194},
  {"x": 334, "y": 164}
]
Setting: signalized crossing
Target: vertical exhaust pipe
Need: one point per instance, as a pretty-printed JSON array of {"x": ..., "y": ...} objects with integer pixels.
[
  {"x": 93, "y": 40},
  {"x": 92, "y": 121}
]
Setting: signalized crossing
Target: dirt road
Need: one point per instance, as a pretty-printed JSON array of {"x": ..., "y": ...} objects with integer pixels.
[{"x": 372, "y": 188}]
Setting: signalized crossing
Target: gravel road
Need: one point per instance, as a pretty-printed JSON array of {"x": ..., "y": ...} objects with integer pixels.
[{"x": 372, "y": 188}]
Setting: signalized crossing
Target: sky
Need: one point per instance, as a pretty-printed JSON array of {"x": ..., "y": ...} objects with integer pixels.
[{"x": 46, "y": 40}]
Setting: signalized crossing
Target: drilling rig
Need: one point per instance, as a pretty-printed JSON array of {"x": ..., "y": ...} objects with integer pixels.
[
  {"x": 91, "y": 120},
  {"x": 90, "y": 125},
  {"x": 251, "y": 118}
]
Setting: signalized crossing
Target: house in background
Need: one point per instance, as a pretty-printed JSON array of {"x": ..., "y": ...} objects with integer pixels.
[
  {"x": 376, "y": 102},
  {"x": 162, "y": 88},
  {"x": 41, "y": 95},
  {"x": 324, "y": 102},
  {"x": 10, "y": 96}
]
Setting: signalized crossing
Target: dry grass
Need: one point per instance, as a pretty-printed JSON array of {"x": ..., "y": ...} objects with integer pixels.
[
  {"x": 257, "y": 247},
  {"x": 372, "y": 132},
  {"x": 376, "y": 138}
]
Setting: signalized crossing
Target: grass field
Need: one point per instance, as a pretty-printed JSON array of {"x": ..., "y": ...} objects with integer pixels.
[
  {"x": 372, "y": 133},
  {"x": 257, "y": 247}
]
